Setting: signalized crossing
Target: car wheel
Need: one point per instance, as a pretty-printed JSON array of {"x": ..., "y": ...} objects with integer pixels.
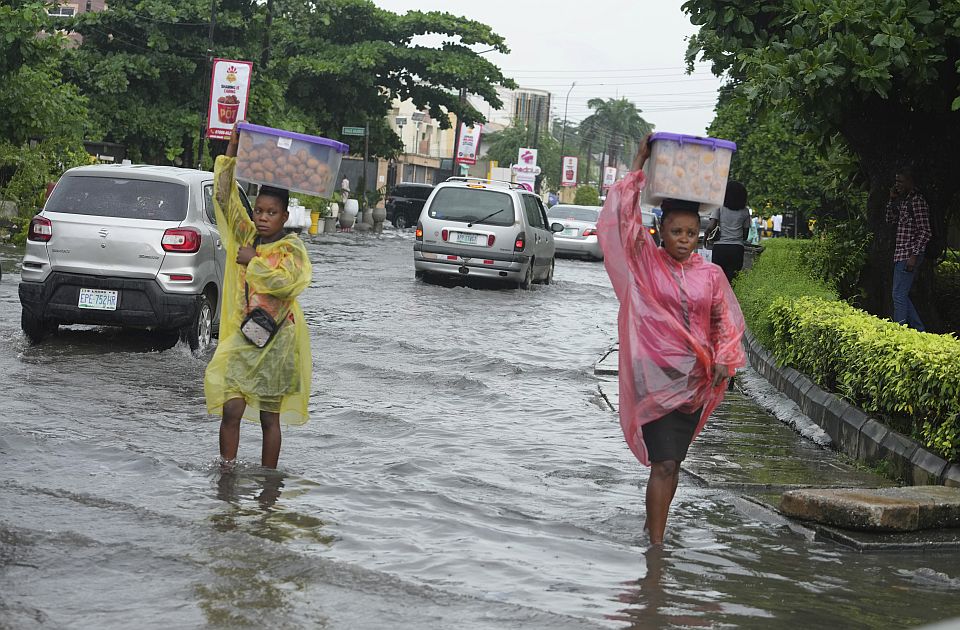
[
  {"x": 419, "y": 275},
  {"x": 35, "y": 329},
  {"x": 549, "y": 278},
  {"x": 400, "y": 221},
  {"x": 527, "y": 277},
  {"x": 199, "y": 333}
]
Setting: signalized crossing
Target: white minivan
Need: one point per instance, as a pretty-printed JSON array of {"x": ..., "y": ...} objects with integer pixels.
[{"x": 483, "y": 228}]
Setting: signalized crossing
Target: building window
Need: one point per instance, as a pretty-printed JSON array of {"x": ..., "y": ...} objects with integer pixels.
[{"x": 62, "y": 11}]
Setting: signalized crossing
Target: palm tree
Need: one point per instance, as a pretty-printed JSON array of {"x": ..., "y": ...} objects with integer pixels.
[{"x": 616, "y": 124}]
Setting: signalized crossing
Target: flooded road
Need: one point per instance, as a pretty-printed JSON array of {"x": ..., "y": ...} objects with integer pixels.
[{"x": 459, "y": 470}]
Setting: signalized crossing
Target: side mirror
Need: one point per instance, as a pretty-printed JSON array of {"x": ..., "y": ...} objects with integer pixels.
[{"x": 556, "y": 227}]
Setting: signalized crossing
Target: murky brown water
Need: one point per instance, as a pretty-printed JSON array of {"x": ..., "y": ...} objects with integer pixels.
[{"x": 458, "y": 471}]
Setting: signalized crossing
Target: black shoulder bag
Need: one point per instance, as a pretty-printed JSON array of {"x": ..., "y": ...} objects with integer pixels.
[{"x": 258, "y": 326}]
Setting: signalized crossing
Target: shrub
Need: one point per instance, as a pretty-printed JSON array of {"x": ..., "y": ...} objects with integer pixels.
[
  {"x": 778, "y": 272},
  {"x": 947, "y": 293},
  {"x": 911, "y": 378},
  {"x": 586, "y": 196},
  {"x": 837, "y": 256}
]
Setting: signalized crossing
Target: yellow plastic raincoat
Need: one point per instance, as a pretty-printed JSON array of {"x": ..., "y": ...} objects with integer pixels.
[{"x": 275, "y": 378}]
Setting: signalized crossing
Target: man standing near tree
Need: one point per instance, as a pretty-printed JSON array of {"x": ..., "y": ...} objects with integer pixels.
[{"x": 908, "y": 209}]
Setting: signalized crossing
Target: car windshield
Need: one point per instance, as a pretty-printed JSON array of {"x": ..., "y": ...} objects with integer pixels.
[
  {"x": 574, "y": 213},
  {"x": 472, "y": 204},
  {"x": 119, "y": 197}
]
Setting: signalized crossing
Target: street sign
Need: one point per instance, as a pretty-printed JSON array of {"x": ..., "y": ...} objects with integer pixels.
[{"x": 353, "y": 131}]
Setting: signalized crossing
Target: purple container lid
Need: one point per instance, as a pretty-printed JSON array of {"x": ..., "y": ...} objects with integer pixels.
[
  {"x": 327, "y": 142},
  {"x": 716, "y": 143}
]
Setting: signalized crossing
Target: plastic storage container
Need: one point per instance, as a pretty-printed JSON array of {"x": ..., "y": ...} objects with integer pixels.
[
  {"x": 295, "y": 161},
  {"x": 687, "y": 167}
]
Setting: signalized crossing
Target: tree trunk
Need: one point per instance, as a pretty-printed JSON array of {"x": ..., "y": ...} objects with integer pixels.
[{"x": 883, "y": 138}]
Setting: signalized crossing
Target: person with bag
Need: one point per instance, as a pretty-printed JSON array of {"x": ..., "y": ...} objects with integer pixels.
[
  {"x": 730, "y": 227},
  {"x": 261, "y": 369},
  {"x": 907, "y": 209},
  {"x": 680, "y": 330}
]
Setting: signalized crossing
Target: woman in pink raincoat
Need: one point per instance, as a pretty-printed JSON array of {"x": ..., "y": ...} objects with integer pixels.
[{"x": 680, "y": 332}]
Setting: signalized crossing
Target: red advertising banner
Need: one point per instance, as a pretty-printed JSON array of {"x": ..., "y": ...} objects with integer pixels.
[
  {"x": 469, "y": 143},
  {"x": 568, "y": 176},
  {"x": 229, "y": 93}
]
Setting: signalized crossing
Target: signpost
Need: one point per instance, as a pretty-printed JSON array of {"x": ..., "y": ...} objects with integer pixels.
[
  {"x": 229, "y": 90},
  {"x": 568, "y": 176}
]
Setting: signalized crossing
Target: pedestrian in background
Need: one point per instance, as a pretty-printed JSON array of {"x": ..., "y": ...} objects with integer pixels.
[
  {"x": 733, "y": 221},
  {"x": 777, "y": 225},
  {"x": 345, "y": 188},
  {"x": 680, "y": 331},
  {"x": 266, "y": 271},
  {"x": 908, "y": 210}
]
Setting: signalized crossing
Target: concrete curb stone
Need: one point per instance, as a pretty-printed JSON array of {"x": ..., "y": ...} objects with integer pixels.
[
  {"x": 851, "y": 430},
  {"x": 851, "y": 423}
]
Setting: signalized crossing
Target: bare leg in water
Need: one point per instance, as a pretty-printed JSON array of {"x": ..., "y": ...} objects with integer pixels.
[
  {"x": 230, "y": 428},
  {"x": 661, "y": 488},
  {"x": 270, "y": 424},
  {"x": 230, "y": 433}
]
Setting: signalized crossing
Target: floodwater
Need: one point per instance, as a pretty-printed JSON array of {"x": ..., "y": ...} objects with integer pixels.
[{"x": 459, "y": 470}]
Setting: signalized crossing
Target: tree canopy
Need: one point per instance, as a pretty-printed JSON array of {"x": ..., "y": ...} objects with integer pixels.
[
  {"x": 882, "y": 74},
  {"x": 317, "y": 67},
  {"x": 616, "y": 125}
]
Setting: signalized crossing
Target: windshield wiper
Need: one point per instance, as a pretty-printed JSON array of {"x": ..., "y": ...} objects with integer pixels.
[{"x": 492, "y": 214}]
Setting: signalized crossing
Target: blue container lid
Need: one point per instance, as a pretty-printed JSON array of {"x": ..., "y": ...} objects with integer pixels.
[
  {"x": 716, "y": 143},
  {"x": 327, "y": 142}
]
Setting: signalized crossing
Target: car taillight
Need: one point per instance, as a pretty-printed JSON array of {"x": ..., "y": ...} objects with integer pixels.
[
  {"x": 41, "y": 229},
  {"x": 181, "y": 240},
  {"x": 419, "y": 232},
  {"x": 491, "y": 239},
  {"x": 444, "y": 234},
  {"x": 589, "y": 232},
  {"x": 520, "y": 243}
]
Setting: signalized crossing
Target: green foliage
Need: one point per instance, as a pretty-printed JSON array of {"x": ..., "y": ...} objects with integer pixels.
[
  {"x": 616, "y": 125},
  {"x": 317, "y": 67},
  {"x": 33, "y": 167},
  {"x": 947, "y": 292},
  {"x": 586, "y": 196},
  {"x": 911, "y": 378},
  {"x": 783, "y": 168},
  {"x": 838, "y": 255},
  {"x": 777, "y": 273}
]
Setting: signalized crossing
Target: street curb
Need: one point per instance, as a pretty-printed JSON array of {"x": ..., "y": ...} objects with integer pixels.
[{"x": 852, "y": 431}]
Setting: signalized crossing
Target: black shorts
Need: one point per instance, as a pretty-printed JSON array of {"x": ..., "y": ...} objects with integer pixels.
[{"x": 669, "y": 437}]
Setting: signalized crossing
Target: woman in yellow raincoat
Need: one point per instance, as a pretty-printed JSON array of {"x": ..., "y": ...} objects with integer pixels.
[{"x": 270, "y": 384}]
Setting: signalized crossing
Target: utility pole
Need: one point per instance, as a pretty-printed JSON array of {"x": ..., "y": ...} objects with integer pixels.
[
  {"x": 366, "y": 159},
  {"x": 563, "y": 129},
  {"x": 265, "y": 57},
  {"x": 203, "y": 119},
  {"x": 456, "y": 137}
]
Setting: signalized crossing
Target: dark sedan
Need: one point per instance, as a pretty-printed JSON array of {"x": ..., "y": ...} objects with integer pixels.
[{"x": 405, "y": 202}]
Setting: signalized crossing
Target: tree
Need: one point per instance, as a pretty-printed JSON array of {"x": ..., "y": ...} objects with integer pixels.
[
  {"x": 786, "y": 169},
  {"x": 42, "y": 123},
  {"x": 341, "y": 62},
  {"x": 615, "y": 124},
  {"x": 883, "y": 74}
]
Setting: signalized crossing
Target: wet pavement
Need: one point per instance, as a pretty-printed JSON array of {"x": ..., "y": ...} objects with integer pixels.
[{"x": 460, "y": 469}]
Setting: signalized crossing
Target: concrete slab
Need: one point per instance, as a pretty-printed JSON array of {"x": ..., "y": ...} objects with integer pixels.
[{"x": 885, "y": 509}]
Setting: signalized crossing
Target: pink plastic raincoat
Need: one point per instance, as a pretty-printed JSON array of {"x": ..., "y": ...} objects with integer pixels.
[{"x": 676, "y": 322}]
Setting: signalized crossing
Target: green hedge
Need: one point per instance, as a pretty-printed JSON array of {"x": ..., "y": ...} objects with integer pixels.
[
  {"x": 911, "y": 379},
  {"x": 778, "y": 272},
  {"x": 947, "y": 292}
]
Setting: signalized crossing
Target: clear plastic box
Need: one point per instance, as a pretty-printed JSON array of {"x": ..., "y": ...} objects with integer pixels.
[
  {"x": 687, "y": 167},
  {"x": 284, "y": 159}
]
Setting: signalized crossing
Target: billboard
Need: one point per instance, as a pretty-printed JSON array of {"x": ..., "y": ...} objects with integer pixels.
[
  {"x": 229, "y": 91},
  {"x": 568, "y": 174},
  {"x": 609, "y": 176},
  {"x": 469, "y": 143},
  {"x": 525, "y": 171}
]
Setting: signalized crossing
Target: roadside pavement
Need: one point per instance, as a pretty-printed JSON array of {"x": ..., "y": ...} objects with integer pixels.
[{"x": 748, "y": 450}]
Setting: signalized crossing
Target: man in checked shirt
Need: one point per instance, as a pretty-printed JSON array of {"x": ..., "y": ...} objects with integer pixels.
[{"x": 909, "y": 211}]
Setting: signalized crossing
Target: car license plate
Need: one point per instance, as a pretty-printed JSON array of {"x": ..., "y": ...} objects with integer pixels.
[
  {"x": 99, "y": 299},
  {"x": 569, "y": 232},
  {"x": 467, "y": 239}
]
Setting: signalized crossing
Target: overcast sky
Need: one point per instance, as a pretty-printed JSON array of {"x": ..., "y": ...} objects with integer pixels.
[{"x": 610, "y": 48}]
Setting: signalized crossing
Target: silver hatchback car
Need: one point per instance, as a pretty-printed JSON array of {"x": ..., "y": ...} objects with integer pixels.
[
  {"x": 125, "y": 245},
  {"x": 483, "y": 228}
]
